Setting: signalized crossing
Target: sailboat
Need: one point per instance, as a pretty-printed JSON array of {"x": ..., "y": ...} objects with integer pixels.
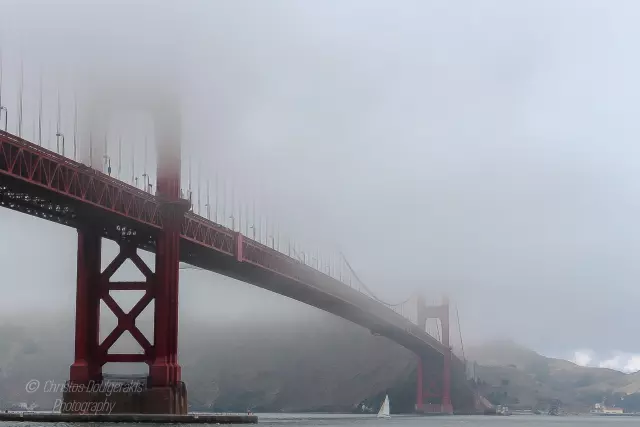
[{"x": 384, "y": 409}]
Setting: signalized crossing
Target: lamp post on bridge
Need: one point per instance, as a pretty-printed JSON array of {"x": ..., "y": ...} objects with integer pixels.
[
  {"x": 107, "y": 164},
  {"x": 6, "y": 116},
  {"x": 253, "y": 220},
  {"x": 75, "y": 127},
  {"x": 119, "y": 157},
  {"x": 208, "y": 205},
  {"x": 145, "y": 176},
  {"x": 58, "y": 133},
  {"x": 58, "y": 136}
]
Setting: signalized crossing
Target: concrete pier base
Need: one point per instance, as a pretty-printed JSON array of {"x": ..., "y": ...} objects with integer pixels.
[
  {"x": 128, "y": 418},
  {"x": 104, "y": 400},
  {"x": 434, "y": 409}
]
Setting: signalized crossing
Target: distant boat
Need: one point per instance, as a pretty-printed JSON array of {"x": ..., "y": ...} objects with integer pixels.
[{"x": 384, "y": 409}]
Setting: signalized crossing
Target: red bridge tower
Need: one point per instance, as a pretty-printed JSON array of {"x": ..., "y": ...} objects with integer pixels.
[
  {"x": 164, "y": 391},
  {"x": 438, "y": 386}
]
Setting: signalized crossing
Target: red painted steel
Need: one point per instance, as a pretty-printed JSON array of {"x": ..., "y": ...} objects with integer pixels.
[
  {"x": 432, "y": 389},
  {"x": 440, "y": 312},
  {"x": 52, "y": 183},
  {"x": 34, "y": 165},
  {"x": 93, "y": 287},
  {"x": 126, "y": 321},
  {"x": 446, "y": 366},
  {"x": 85, "y": 366},
  {"x": 209, "y": 234},
  {"x": 419, "y": 386},
  {"x": 165, "y": 370}
]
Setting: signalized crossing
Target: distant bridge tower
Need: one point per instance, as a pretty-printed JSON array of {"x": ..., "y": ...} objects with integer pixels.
[
  {"x": 166, "y": 392},
  {"x": 438, "y": 390}
]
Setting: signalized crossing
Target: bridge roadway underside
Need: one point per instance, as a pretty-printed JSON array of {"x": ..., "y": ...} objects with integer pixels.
[
  {"x": 324, "y": 292},
  {"x": 328, "y": 294}
]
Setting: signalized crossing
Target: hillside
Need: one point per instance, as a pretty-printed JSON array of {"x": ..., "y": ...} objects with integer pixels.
[
  {"x": 318, "y": 362},
  {"x": 519, "y": 377}
]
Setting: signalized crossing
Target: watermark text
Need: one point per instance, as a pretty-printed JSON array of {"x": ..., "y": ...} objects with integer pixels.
[
  {"x": 107, "y": 388},
  {"x": 78, "y": 407}
]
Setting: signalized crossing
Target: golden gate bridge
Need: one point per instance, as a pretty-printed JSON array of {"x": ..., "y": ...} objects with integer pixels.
[{"x": 76, "y": 187}]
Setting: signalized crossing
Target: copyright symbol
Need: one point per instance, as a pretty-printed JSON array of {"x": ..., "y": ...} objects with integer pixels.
[{"x": 32, "y": 386}]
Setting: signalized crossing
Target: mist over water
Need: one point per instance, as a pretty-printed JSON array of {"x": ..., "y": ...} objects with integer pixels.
[{"x": 482, "y": 149}]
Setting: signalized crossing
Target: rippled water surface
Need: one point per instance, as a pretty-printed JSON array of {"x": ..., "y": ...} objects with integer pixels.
[
  {"x": 463, "y": 421},
  {"x": 325, "y": 420}
]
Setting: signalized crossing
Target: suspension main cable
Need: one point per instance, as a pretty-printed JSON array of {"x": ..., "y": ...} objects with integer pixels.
[
  {"x": 460, "y": 333},
  {"x": 366, "y": 288}
]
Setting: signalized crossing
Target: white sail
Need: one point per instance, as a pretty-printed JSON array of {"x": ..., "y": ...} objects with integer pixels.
[{"x": 384, "y": 409}]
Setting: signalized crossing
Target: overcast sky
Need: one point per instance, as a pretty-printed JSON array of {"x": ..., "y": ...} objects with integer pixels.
[{"x": 483, "y": 148}]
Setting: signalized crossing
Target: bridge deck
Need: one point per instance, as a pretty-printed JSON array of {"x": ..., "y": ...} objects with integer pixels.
[{"x": 42, "y": 183}]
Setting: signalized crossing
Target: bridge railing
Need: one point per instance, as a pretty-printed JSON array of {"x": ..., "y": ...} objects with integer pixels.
[
  {"x": 111, "y": 193},
  {"x": 223, "y": 238}
]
